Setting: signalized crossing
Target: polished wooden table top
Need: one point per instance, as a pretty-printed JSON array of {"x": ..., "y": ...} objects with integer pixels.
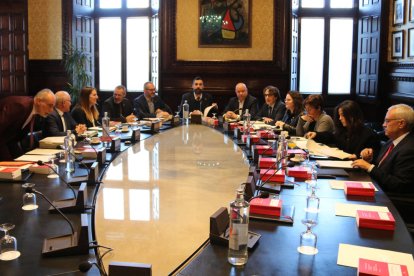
[{"x": 157, "y": 197}]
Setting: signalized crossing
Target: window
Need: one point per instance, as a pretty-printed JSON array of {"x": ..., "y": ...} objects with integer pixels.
[
  {"x": 326, "y": 46},
  {"x": 124, "y": 43}
]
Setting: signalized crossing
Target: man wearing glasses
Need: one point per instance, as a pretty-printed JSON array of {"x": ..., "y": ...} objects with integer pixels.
[
  {"x": 60, "y": 120},
  {"x": 394, "y": 166},
  {"x": 21, "y": 118},
  {"x": 273, "y": 109},
  {"x": 149, "y": 105}
]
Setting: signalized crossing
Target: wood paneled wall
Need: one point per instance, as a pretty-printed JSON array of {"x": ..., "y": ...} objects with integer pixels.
[{"x": 220, "y": 77}]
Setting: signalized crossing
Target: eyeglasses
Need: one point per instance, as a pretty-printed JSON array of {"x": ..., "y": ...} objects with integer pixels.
[
  {"x": 268, "y": 95},
  {"x": 386, "y": 121}
]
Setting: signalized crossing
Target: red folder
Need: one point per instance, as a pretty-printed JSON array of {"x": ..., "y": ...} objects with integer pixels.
[
  {"x": 375, "y": 220},
  {"x": 266, "y": 206},
  {"x": 267, "y": 162},
  {"x": 359, "y": 188},
  {"x": 299, "y": 172},
  {"x": 270, "y": 176},
  {"x": 369, "y": 268}
]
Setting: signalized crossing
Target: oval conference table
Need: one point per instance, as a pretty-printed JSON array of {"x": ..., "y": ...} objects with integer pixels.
[{"x": 157, "y": 197}]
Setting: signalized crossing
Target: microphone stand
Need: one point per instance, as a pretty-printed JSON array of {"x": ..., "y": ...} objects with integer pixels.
[
  {"x": 75, "y": 243},
  {"x": 70, "y": 205}
]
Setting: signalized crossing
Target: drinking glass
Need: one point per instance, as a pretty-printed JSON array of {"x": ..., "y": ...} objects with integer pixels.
[
  {"x": 313, "y": 179},
  {"x": 308, "y": 239},
  {"x": 55, "y": 168},
  {"x": 8, "y": 244},
  {"x": 29, "y": 199}
]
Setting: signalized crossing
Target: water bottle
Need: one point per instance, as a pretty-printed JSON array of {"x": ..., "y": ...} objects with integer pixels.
[
  {"x": 239, "y": 228},
  {"x": 246, "y": 122},
  {"x": 186, "y": 112},
  {"x": 105, "y": 128},
  {"x": 69, "y": 144},
  {"x": 282, "y": 149}
]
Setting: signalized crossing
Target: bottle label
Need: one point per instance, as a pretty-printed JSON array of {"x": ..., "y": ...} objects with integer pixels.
[{"x": 238, "y": 236}]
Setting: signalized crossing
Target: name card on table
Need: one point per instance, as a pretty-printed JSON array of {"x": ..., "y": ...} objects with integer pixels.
[
  {"x": 270, "y": 175},
  {"x": 375, "y": 220},
  {"x": 266, "y": 206},
  {"x": 359, "y": 188},
  {"x": 370, "y": 268}
]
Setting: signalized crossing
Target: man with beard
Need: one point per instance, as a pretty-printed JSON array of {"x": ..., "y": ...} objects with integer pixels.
[
  {"x": 237, "y": 105},
  {"x": 149, "y": 105},
  {"x": 119, "y": 108},
  {"x": 273, "y": 108},
  {"x": 197, "y": 100}
]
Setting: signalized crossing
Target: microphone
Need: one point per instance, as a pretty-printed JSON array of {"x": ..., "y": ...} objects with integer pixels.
[
  {"x": 261, "y": 195},
  {"x": 86, "y": 266},
  {"x": 41, "y": 163},
  {"x": 277, "y": 169}
]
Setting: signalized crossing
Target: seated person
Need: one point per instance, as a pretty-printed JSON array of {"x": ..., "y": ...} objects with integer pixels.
[
  {"x": 197, "y": 100},
  {"x": 393, "y": 169},
  {"x": 149, "y": 105},
  {"x": 315, "y": 118},
  {"x": 85, "y": 112},
  {"x": 20, "y": 118},
  {"x": 237, "y": 105},
  {"x": 118, "y": 107},
  {"x": 273, "y": 109},
  {"x": 60, "y": 120},
  {"x": 294, "y": 110},
  {"x": 350, "y": 133}
]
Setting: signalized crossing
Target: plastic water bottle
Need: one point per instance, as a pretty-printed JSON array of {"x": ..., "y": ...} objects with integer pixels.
[
  {"x": 239, "y": 230},
  {"x": 105, "y": 128},
  {"x": 69, "y": 144},
  {"x": 186, "y": 112},
  {"x": 282, "y": 148},
  {"x": 246, "y": 122}
]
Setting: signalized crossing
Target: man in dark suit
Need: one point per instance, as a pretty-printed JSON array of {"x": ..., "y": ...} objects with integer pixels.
[
  {"x": 119, "y": 108},
  {"x": 273, "y": 109},
  {"x": 394, "y": 167},
  {"x": 20, "y": 118},
  {"x": 60, "y": 120},
  {"x": 237, "y": 105},
  {"x": 197, "y": 100},
  {"x": 149, "y": 105}
]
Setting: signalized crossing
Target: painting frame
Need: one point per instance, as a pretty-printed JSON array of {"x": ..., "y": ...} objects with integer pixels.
[
  {"x": 398, "y": 12},
  {"x": 397, "y": 44},
  {"x": 410, "y": 44},
  {"x": 411, "y": 11},
  {"x": 225, "y": 24}
]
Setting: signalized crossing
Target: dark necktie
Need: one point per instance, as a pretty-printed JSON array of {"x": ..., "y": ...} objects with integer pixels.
[
  {"x": 31, "y": 132},
  {"x": 386, "y": 153},
  {"x": 270, "y": 112}
]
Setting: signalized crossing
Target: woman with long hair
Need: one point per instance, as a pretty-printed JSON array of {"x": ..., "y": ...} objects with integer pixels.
[
  {"x": 85, "y": 111},
  {"x": 350, "y": 133},
  {"x": 294, "y": 110}
]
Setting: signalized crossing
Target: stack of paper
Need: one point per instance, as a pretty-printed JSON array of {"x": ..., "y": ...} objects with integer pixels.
[{"x": 53, "y": 142}]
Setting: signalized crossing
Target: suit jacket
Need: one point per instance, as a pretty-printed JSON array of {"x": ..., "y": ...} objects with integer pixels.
[
  {"x": 80, "y": 117},
  {"x": 54, "y": 125},
  {"x": 142, "y": 109},
  {"x": 365, "y": 138},
  {"x": 117, "y": 112},
  {"x": 290, "y": 120},
  {"x": 205, "y": 101},
  {"x": 249, "y": 103},
  {"x": 14, "y": 111},
  {"x": 278, "y": 111},
  {"x": 396, "y": 172}
]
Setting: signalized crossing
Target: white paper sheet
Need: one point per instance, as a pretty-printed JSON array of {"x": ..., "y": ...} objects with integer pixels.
[
  {"x": 349, "y": 210},
  {"x": 44, "y": 151},
  {"x": 334, "y": 164},
  {"x": 349, "y": 255},
  {"x": 35, "y": 158}
]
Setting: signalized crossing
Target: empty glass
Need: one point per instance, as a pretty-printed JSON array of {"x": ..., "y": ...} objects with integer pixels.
[
  {"x": 313, "y": 179},
  {"x": 29, "y": 199},
  {"x": 53, "y": 173},
  {"x": 308, "y": 239},
  {"x": 8, "y": 244}
]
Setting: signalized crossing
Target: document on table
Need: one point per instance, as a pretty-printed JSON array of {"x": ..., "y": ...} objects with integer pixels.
[
  {"x": 340, "y": 184},
  {"x": 335, "y": 164},
  {"x": 35, "y": 158},
  {"x": 349, "y": 255},
  {"x": 320, "y": 149},
  {"x": 349, "y": 210},
  {"x": 208, "y": 108},
  {"x": 45, "y": 151}
]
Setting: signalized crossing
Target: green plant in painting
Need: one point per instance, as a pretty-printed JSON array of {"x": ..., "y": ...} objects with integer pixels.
[{"x": 75, "y": 62}]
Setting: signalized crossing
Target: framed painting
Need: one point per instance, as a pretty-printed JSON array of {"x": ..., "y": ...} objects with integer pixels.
[
  {"x": 398, "y": 16},
  {"x": 397, "y": 44},
  {"x": 225, "y": 23},
  {"x": 411, "y": 42}
]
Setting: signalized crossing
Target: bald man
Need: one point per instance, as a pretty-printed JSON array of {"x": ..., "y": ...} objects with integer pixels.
[
  {"x": 20, "y": 116},
  {"x": 237, "y": 105},
  {"x": 60, "y": 120}
]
